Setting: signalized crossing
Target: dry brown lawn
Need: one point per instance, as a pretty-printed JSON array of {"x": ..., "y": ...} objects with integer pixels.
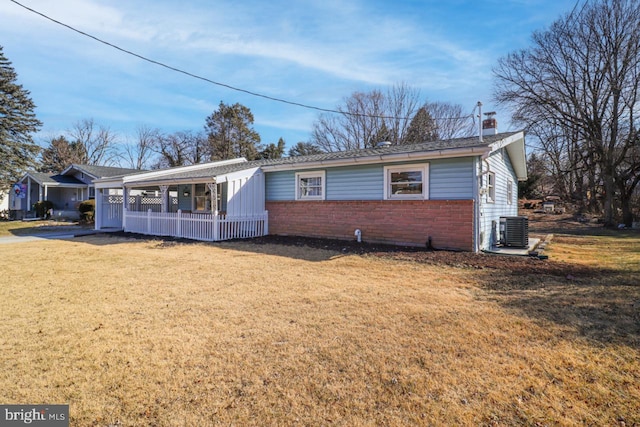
[{"x": 135, "y": 332}]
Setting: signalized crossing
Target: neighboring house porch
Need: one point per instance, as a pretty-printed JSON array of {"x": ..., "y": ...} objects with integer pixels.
[{"x": 65, "y": 190}]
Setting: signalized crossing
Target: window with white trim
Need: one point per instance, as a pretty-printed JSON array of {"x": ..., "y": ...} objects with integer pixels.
[
  {"x": 406, "y": 182},
  {"x": 202, "y": 198},
  {"x": 491, "y": 187},
  {"x": 509, "y": 192},
  {"x": 310, "y": 185}
]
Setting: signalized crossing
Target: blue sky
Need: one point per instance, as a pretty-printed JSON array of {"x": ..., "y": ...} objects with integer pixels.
[{"x": 314, "y": 52}]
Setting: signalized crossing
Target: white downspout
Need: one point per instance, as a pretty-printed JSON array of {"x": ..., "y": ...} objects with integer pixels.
[{"x": 478, "y": 197}]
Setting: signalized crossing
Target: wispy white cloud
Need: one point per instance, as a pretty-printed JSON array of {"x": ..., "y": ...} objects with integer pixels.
[{"x": 314, "y": 52}]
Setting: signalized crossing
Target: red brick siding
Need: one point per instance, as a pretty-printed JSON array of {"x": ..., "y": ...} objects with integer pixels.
[{"x": 449, "y": 223}]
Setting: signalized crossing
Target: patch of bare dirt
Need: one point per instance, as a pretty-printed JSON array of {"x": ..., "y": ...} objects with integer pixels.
[{"x": 515, "y": 265}]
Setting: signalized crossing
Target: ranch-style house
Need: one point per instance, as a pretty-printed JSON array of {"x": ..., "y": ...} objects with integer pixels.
[{"x": 448, "y": 194}]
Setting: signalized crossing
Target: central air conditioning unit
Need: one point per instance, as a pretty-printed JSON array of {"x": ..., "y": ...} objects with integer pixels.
[{"x": 514, "y": 231}]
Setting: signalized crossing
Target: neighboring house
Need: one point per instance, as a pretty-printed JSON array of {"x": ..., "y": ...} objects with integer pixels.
[
  {"x": 446, "y": 194},
  {"x": 65, "y": 189}
]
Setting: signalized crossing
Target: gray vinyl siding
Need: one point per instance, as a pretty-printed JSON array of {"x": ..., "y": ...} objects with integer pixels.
[
  {"x": 355, "y": 183},
  {"x": 280, "y": 186},
  {"x": 449, "y": 179}
]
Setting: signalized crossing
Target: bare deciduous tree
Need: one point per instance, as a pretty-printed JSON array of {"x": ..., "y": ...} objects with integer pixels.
[
  {"x": 583, "y": 75},
  {"x": 361, "y": 119},
  {"x": 139, "y": 153},
  {"x": 181, "y": 149},
  {"x": 451, "y": 120},
  {"x": 98, "y": 142},
  {"x": 369, "y": 118}
]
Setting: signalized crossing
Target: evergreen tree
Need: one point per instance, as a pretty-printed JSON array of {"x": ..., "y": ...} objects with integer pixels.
[
  {"x": 60, "y": 154},
  {"x": 273, "y": 151},
  {"x": 381, "y": 135},
  {"x": 422, "y": 128},
  {"x": 230, "y": 134},
  {"x": 304, "y": 149},
  {"x": 17, "y": 123}
]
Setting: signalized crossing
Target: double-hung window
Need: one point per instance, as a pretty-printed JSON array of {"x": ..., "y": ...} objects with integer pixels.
[
  {"x": 406, "y": 182},
  {"x": 491, "y": 187},
  {"x": 310, "y": 185}
]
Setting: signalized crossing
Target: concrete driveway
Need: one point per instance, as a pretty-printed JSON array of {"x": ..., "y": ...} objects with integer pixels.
[{"x": 55, "y": 235}]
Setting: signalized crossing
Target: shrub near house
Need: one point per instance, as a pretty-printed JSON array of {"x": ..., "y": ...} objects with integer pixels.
[
  {"x": 43, "y": 208},
  {"x": 87, "y": 210}
]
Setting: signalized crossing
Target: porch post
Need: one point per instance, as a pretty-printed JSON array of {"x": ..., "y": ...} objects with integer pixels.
[
  {"x": 124, "y": 207},
  {"x": 213, "y": 192},
  {"x": 98, "y": 214},
  {"x": 164, "y": 189},
  {"x": 28, "y": 195}
]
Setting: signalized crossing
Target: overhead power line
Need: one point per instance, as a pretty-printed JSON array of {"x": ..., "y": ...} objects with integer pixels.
[{"x": 205, "y": 79}]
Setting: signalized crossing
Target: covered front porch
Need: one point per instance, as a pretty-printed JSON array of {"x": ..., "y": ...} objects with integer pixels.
[
  {"x": 208, "y": 202},
  {"x": 64, "y": 193}
]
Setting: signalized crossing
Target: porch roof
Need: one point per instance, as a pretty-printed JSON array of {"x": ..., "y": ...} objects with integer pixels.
[
  {"x": 99, "y": 171},
  {"x": 194, "y": 173}
]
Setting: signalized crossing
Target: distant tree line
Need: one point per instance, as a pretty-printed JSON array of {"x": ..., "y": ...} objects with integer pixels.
[{"x": 228, "y": 133}]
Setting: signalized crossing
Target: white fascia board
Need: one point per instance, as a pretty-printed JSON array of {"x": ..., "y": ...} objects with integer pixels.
[
  {"x": 188, "y": 180},
  {"x": 515, "y": 148},
  {"x": 179, "y": 169},
  {"x": 56, "y": 184},
  {"x": 28, "y": 175},
  {"x": 506, "y": 141},
  {"x": 67, "y": 169},
  {"x": 79, "y": 169},
  {"x": 384, "y": 158},
  {"x": 108, "y": 183}
]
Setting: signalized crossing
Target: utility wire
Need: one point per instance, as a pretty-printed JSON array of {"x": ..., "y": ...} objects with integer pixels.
[{"x": 205, "y": 79}]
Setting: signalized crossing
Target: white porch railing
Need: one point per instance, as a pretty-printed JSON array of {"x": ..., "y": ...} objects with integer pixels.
[{"x": 196, "y": 226}]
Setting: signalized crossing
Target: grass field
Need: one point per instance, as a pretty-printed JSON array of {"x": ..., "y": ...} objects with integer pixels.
[{"x": 150, "y": 332}]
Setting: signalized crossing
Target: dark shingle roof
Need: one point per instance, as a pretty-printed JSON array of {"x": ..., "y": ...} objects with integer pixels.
[
  {"x": 47, "y": 178},
  {"x": 441, "y": 145},
  {"x": 180, "y": 174},
  {"x": 104, "y": 171},
  {"x": 213, "y": 171}
]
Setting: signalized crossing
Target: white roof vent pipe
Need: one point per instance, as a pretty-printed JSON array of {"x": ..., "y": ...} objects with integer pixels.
[
  {"x": 490, "y": 124},
  {"x": 382, "y": 144}
]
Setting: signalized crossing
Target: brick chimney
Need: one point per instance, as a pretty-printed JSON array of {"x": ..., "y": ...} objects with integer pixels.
[{"x": 489, "y": 125}]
